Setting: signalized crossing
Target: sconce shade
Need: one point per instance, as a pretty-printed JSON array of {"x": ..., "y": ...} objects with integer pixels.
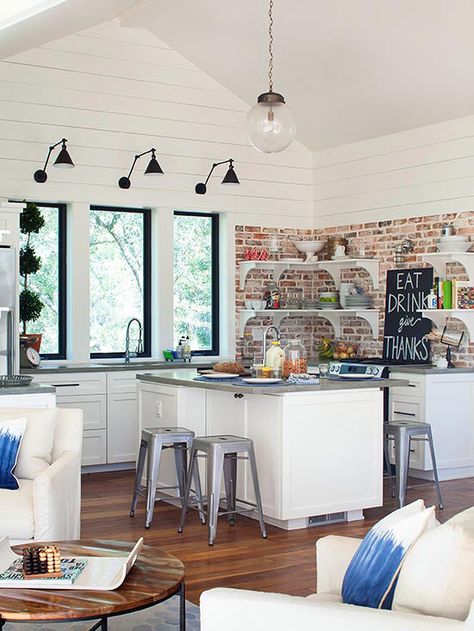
[
  {"x": 231, "y": 176},
  {"x": 153, "y": 167},
  {"x": 63, "y": 161}
]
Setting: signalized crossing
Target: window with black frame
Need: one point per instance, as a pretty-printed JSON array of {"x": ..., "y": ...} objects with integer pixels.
[
  {"x": 49, "y": 281},
  {"x": 196, "y": 280},
  {"x": 120, "y": 280}
]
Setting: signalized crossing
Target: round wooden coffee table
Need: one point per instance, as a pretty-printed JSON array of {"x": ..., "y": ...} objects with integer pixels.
[{"x": 155, "y": 577}]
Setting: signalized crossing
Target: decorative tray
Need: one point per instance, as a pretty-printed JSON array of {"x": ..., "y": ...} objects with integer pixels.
[{"x": 8, "y": 381}]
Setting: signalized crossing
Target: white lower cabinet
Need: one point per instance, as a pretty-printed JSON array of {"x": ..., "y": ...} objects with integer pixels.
[
  {"x": 94, "y": 447},
  {"x": 109, "y": 404},
  {"x": 446, "y": 402}
]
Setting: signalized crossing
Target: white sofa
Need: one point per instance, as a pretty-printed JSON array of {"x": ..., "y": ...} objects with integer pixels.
[
  {"x": 48, "y": 503},
  {"x": 238, "y": 610}
]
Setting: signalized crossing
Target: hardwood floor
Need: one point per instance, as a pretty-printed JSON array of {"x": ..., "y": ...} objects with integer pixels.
[{"x": 285, "y": 562}]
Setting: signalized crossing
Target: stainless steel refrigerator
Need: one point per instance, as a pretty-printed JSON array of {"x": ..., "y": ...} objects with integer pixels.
[{"x": 9, "y": 334}]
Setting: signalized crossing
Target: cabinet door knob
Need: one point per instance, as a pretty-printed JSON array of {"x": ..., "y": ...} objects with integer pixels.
[{"x": 238, "y": 395}]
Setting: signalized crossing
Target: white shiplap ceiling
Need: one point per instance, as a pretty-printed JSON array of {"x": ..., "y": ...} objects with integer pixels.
[{"x": 349, "y": 69}]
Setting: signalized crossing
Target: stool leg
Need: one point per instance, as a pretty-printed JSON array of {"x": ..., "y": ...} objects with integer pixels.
[
  {"x": 256, "y": 487},
  {"x": 197, "y": 491},
  {"x": 180, "y": 457},
  {"x": 435, "y": 468},
  {"x": 191, "y": 472},
  {"x": 230, "y": 481},
  {"x": 138, "y": 475},
  {"x": 153, "y": 466},
  {"x": 386, "y": 454},
  {"x": 215, "y": 465},
  {"x": 402, "y": 456}
]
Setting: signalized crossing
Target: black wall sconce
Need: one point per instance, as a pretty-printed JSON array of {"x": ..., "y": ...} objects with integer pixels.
[
  {"x": 229, "y": 178},
  {"x": 63, "y": 161},
  {"x": 153, "y": 168}
]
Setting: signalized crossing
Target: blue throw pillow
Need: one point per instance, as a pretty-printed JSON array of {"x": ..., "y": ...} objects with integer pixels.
[
  {"x": 11, "y": 434},
  {"x": 372, "y": 574}
]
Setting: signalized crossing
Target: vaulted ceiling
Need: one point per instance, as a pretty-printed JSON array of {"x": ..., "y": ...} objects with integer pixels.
[{"x": 349, "y": 69}]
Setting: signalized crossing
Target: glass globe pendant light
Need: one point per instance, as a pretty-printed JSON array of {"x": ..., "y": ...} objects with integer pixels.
[{"x": 270, "y": 124}]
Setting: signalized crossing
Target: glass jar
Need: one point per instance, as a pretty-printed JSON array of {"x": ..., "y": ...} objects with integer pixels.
[
  {"x": 294, "y": 298},
  {"x": 295, "y": 359}
]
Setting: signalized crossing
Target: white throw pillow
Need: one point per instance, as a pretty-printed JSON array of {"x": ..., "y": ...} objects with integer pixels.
[
  {"x": 37, "y": 444},
  {"x": 437, "y": 575}
]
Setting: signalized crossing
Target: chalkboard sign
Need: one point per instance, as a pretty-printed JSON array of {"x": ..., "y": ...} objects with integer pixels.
[{"x": 404, "y": 330}]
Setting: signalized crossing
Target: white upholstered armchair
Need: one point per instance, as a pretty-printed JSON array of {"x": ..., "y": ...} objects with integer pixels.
[
  {"x": 236, "y": 609},
  {"x": 47, "y": 506}
]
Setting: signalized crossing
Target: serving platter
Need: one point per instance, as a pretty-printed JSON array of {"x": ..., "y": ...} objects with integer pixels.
[
  {"x": 219, "y": 375},
  {"x": 258, "y": 380}
]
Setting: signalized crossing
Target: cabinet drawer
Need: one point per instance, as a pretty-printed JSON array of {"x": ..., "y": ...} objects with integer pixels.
[
  {"x": 93, "y": 407},
  {"x": 418, "y": 459},
  {"x": 416, "y": 387},
  {"x": 121, "y": 382},
  {"x": 94, "y": 447},
  {"x": 76, "y": 383},
  {"x": 406, "y": 409}
]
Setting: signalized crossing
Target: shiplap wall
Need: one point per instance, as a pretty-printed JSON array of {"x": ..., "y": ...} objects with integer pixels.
[
  {"x": 115, "y": 91},
  {"x": 423, "y": 171}
]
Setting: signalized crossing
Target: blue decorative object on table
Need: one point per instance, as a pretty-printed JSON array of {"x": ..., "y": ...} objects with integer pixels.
[
  {"x": 371, "y": 576},
  {"x": 11, "y": 434}
]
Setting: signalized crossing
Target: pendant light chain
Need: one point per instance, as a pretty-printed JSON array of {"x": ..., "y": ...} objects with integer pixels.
[{"x": 270, "y": 47}]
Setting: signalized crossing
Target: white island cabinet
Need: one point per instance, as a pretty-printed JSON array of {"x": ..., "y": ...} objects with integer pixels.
[{"x": 319, "y": 452}]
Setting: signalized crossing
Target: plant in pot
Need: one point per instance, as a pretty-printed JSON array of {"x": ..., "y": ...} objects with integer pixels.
[{"x": 31, "y": 305}]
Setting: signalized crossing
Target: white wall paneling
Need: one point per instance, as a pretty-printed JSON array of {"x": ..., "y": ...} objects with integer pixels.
[
  {"x": 422, "y": 171},
  {"x": 114, "y": 92}
]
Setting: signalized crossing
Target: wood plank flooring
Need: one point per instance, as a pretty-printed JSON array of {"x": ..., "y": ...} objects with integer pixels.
[{"x": 285, "y": 562}]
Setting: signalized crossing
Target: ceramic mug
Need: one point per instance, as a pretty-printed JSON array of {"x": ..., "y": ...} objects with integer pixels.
[{"x": 340, "y": 251}]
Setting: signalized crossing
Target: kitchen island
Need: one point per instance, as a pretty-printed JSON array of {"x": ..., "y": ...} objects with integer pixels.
[{"x": 318, "y": 448}]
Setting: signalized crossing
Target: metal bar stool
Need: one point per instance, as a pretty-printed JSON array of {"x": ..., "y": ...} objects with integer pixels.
[
  {"x": 154, "y": 441},
  {"x": 221, "y": 453},
  {"x": 402, "y": 433}
]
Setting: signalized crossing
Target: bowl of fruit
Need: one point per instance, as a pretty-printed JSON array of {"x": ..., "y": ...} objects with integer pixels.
[{"x": 345, "y": 350}]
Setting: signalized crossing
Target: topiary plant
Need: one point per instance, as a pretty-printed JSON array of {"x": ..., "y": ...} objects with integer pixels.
[{"x": 31, "y": 305}]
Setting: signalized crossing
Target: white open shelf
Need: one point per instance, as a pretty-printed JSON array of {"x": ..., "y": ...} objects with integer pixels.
[
  {"x": 332, "y": 267},
  {"x": 439, "y": 317},
  {"x": 371, "y": 316},
  {"x": 439, "y": 260}
]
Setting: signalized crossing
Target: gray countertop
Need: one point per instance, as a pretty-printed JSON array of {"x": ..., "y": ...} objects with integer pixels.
[
  {"x": 112, "y": 366},
  {"x": 427, "y": 369},
  {"x": 185, "y": 377},
  {"x": 32, "y": 389}
]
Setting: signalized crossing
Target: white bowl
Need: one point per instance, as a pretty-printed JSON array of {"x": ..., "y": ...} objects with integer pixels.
[
  {"x": 310, "y": 248},
  {"x": 455, "y": 246},
  {"x": 453, "y": 237},
  {"x": 249, "y": 304},
  {"x": 258, "y": 304}
]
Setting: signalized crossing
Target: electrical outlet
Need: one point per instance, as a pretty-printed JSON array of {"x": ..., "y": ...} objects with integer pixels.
[{"x": 159, "y": 409}]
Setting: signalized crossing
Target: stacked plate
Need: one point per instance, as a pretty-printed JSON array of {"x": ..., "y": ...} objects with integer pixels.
[
  {"x": 358, "y": 301},
  {"x": 453, "y": 243},
  {"x": 328, "y": 305}
]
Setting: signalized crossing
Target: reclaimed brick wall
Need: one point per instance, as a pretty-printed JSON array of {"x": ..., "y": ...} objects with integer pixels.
[{"x": 377, "y": 239}]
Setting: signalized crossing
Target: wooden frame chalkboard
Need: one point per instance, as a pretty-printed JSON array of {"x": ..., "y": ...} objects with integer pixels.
[{"x": 404, "y": 329}]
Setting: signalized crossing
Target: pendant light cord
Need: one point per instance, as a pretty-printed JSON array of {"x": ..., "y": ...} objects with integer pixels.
[{"x": 270, "y": 47}]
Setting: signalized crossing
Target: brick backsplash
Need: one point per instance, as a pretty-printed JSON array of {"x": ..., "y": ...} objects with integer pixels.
[{"x": 377, "y": 239}]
